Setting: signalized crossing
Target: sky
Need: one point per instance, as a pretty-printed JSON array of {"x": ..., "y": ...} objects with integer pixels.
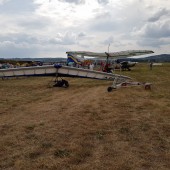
[{"x": 49, "y": 28}]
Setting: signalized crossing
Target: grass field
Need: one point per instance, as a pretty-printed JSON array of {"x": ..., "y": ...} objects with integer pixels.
[{"x": 85, "y": 127}]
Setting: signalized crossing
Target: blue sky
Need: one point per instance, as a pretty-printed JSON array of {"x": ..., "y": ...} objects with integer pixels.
[{"x": 49, "y": 28}]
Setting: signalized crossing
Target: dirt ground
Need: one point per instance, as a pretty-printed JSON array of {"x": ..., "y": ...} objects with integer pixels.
[{"x": 85, "y": 127}]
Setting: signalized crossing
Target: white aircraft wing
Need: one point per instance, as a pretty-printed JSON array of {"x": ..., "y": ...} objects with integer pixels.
[
  {"x": 66, "y": 71},
  {"x": 128, "y": 53},
  {"x": 86, "y": 53}
]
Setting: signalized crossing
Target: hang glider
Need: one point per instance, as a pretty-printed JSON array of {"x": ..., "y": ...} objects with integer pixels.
[
  {"x": 65, "y": 71},
  {"x": 128, "y": 53},
  {"x": 59, "y": 70}
]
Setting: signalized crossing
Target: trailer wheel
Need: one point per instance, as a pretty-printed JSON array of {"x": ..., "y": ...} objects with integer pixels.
[
  {"x": 109, "y": 89},
  {"x": 59, "y": 83},
  {"x": 124, "y": 84},
  {"x": 66, "y": 83},
  {"x": 148, "y": 87}
]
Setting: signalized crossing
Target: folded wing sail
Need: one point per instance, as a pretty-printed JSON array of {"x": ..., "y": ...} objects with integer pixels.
[{"x": 128, "y": 53}]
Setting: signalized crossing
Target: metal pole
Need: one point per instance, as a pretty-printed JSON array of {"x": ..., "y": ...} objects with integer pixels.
[{"x": 108, "y": 47}]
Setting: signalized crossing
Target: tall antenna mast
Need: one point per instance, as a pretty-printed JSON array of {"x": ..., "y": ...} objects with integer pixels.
[{"x": 108, "y": 47}]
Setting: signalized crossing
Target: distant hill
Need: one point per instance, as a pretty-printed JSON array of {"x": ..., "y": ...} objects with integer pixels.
[
  {"x": 41, "y": 60},
  {"x": 160, "y": 58},
  {"x": 155, "y": 58},
  {"x": 36, "y": 59}
]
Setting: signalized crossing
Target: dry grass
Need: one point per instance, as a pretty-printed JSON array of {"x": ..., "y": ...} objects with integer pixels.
[{"x": 84, "y": 126}]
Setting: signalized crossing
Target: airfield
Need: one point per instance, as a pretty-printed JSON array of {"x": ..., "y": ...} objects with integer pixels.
[{"x": 84, "y": 126}]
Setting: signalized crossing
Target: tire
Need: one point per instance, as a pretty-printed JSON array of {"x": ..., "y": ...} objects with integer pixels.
[
  {"x": 148, "y": 87},
  {"x": 109, "y": 89},
  {"x": 66, "y": 83},
  {"x": 59, "y": 84},
  {"x": 124, "y": 84}
]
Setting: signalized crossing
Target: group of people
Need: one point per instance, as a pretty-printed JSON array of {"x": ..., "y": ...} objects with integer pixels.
[{"x": 6, "y": 65}]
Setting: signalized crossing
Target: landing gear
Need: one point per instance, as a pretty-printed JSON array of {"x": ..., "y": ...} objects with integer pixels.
[
  {"x": 119, "y": 83},
  {"x": 116, "y": 85},
  {"x": 61, "y": 83},
  {"x": 58, "y": 82},
  {"x": 147, "y": 86},
  {"x": 109, "y": 89}
]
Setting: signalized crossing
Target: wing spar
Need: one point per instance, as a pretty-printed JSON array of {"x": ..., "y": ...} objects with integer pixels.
[{"x": 128, "y": 53}]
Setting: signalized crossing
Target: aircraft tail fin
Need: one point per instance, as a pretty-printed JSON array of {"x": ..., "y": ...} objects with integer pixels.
[{"x": 71, "y": 58}]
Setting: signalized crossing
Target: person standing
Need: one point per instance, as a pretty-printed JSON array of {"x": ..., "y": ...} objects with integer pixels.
[{"x": 151, "y": 64}]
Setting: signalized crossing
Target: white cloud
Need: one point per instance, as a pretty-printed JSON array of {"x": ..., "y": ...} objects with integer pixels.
[
  {"x": 161, "y": 13},
  {"x": 10, "y": 49},
  {"x": 156, "y": 30},
  {"x": 73, "y": 1},
  {"x": 50, "y": 27},
  {"x": 103, "y": 1},
  {"x": 68, "y": 38},
  {"x": 3, "y": 1}
]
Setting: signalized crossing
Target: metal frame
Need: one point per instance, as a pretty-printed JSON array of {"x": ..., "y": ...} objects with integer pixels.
[{"x": 117, "y": 83}]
